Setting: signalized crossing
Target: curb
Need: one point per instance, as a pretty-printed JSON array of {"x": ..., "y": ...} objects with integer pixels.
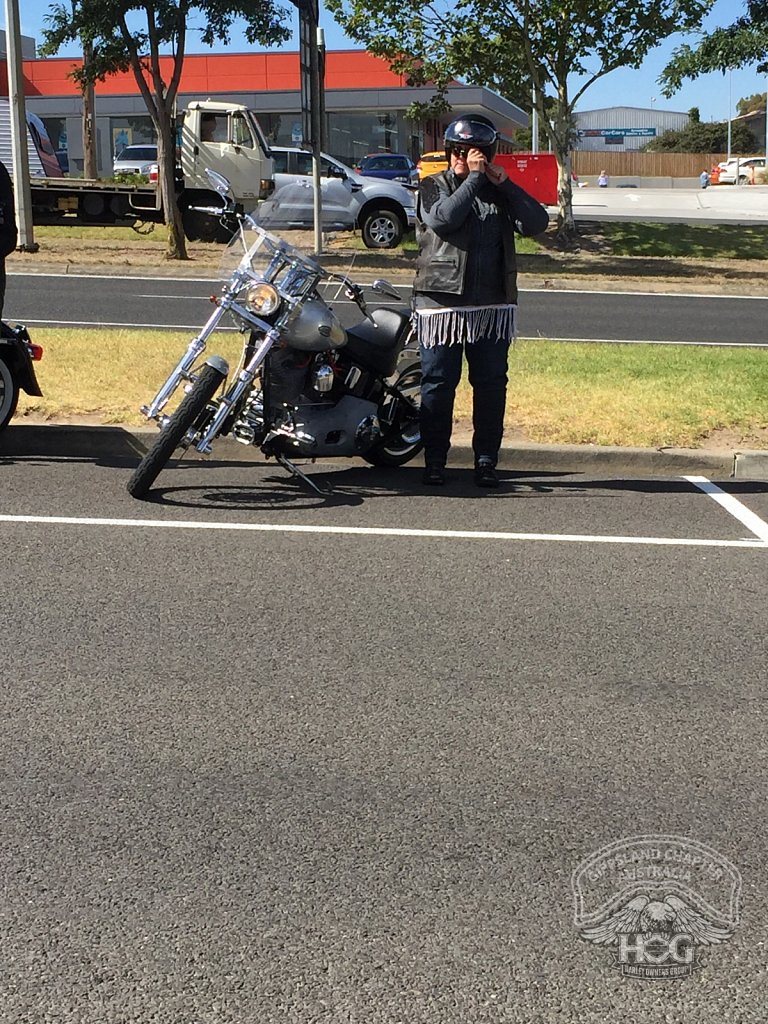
[{"x": 94, "y": 442}]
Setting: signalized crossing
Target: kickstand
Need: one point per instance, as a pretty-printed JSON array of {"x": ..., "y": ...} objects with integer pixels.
[{"x": 322, "y": 491}]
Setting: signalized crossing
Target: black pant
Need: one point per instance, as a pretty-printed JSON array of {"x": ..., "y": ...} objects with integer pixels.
[{"x": 441, "y": 372}]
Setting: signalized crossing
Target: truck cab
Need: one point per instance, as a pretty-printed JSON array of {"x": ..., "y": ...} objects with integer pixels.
[{"x": 228, "y": 138}]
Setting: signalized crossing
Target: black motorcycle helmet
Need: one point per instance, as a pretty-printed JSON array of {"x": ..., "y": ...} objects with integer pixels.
[{"x": 474, "y": 131}]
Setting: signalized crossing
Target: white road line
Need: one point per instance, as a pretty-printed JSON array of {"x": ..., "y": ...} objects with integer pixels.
[
  {"x": 383, "y": 531},
  {"x": 745, "y": 516},
  {"x": 179, "y": 298},
  {"x": 407, "y": 287},
  {"x": 652, "y": 341},
  {"x": 132, "y": 326}
]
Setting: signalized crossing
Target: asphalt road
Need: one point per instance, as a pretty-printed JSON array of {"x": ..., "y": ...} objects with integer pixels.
[
  {"x": 601, "y": 316},
  {"x": 255, "y": 775}
]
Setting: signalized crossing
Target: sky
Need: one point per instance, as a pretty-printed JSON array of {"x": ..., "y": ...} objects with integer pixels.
[{"x": 715, "y": 95}]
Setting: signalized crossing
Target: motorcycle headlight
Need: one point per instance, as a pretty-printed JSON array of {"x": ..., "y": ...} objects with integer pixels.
[{"x": 262, "y": 299}]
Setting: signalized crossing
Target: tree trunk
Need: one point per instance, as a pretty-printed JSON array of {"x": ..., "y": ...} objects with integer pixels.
[
  {"x": 567, "y": 234},
  {"x": 561, "y": 136},
  {"x": 166, "y": 179},
  {"x": 89, "y": 135}
]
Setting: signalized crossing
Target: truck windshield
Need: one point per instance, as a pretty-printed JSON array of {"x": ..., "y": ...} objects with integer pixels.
[{"x": 259, "y": 134}]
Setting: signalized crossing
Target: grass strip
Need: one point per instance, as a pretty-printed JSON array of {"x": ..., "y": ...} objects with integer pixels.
[
  {"x": 701, "y": 241},
  {"x": 559, "y": 393}
]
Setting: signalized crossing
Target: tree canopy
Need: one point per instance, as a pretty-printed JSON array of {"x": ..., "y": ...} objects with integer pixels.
[
  {"x": 704, "y": 137},
  {"x": 748, "y": 104},
  {"x": 738, "y": 45},
  {"x": 126, "y": 35},
  {"x": 512, "y": 45}
]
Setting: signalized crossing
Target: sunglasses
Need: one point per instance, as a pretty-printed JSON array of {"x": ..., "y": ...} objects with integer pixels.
[{"x": 460, "y": 151}]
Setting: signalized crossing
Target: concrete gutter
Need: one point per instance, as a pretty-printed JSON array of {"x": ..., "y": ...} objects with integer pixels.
[{"x": 108, "y": 443}]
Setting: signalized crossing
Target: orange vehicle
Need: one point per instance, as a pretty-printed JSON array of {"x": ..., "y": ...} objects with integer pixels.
[{"x": 432, "y": 163}]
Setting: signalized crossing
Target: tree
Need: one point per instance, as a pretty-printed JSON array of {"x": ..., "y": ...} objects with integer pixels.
[
  {"x": 704, "y": 137},
  {"x": 128, "y": 35},
  {"x": 738, "y": 45},
  {"x": 749, "y": 103},
  {"x": 512, "y": 45}
]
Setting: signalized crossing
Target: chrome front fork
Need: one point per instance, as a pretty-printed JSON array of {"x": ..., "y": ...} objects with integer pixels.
[
  {"x": 181, "y": 371},
  {"x": 232, "y": 399}
]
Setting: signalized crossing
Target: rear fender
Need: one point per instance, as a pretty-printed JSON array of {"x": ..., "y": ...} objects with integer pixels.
[{"x": 14, "y": 351}]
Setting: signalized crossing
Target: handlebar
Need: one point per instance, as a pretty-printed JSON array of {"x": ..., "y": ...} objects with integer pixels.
[{"x": 213, "y": 210}]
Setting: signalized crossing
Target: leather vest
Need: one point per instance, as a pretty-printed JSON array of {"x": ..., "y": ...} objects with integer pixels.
[{"x": 442, "y": 261}]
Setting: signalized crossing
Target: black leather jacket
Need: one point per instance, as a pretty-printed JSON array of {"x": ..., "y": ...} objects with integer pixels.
[{"x": 442, "y": 229}]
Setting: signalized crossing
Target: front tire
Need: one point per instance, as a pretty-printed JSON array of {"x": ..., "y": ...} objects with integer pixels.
[
  {"x": 9, "y": 394},
  {"x": 188, "y": 412},
  {"x": 403, "y": 441},
  {"x": 382, "y": 229}
]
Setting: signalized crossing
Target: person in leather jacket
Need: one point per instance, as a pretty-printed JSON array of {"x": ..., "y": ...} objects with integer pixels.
[
  {"x": 8, "y": 230},
  {"x": 465, "y": 291}
]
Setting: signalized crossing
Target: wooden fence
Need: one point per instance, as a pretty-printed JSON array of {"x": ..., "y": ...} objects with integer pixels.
[{"x": 645, "y": 165}]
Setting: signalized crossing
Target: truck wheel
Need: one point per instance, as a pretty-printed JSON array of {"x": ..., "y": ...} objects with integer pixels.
[
  {"x": 9, "y": 394},
  {"x": 382, "y": 229},
  {"x": 201, "y": 227}
]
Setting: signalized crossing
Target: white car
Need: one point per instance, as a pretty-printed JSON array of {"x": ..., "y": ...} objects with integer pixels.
[
  {"x": 135, "y": 160},
  {"x": 741, "y": 166},
  {"x": 383, "y": 210}
]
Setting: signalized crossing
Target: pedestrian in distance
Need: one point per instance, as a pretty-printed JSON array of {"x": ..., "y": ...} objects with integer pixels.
[
  {"x": 704, "y": 179},
  {"x": 465, "y": 291},
  {"x": 602, "y": 181},
  {"x": 8, "y": 231}
]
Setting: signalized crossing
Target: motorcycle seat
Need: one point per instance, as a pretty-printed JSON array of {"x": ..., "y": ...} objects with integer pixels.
[{"x": 377, "y": 345}]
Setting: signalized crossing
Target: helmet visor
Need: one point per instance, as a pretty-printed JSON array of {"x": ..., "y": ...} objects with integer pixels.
[{"x": 470, "y": 134}]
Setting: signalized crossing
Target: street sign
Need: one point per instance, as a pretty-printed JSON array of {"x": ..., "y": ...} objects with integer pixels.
[
  {"x": 309, "y": 14},
  {"x": 607, "y": 133}
]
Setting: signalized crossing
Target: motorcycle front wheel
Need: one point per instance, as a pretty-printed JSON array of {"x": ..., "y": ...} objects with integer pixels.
[
  {"x": 9, "y": 393},
  {"x": 403, "y": 441},
  {"x": 191, "y": 408}
]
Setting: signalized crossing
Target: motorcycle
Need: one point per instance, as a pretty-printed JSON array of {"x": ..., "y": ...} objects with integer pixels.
[
  {"x": 305, "y": 387},
  {"x": 18, "y": 353}
]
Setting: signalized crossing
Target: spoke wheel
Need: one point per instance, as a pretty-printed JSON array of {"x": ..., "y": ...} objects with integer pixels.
[
  {"x": 187, "y": 415},
  {"x": 403, "y": 441}
]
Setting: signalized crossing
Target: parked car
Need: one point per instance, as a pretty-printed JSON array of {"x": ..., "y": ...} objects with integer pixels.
[
  {"x": 135, "y": 160},
  {"x": 382, "y": 210},
  {"x": 741, "y": 166},
  {"x": 432, "y": 163},
  {"x": 391, "y": 167}
]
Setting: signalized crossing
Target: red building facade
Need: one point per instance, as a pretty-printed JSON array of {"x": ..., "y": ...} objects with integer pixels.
[{"x": 365, "y": 102}]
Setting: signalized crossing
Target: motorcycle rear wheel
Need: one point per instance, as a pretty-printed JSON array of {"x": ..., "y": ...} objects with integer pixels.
[
  {"x": 403, "y": 442},
  {"x": 191, "y": 408},
  {"x": 9, "y": 394}
]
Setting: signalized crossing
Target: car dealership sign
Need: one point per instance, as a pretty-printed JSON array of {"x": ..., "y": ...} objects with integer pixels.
[{"x": 612, "y": 133}]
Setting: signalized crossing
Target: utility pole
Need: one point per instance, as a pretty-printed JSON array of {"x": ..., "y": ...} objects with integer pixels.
[
  {"x": 534, "y": 121},
  {"x": 18, "y": 113},
  {"x": 311, "y": 101}
]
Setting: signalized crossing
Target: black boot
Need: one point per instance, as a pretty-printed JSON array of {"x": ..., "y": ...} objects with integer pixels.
[
  {"x": 485, "y": 473},
  {"x": 434, "y": 475}
]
